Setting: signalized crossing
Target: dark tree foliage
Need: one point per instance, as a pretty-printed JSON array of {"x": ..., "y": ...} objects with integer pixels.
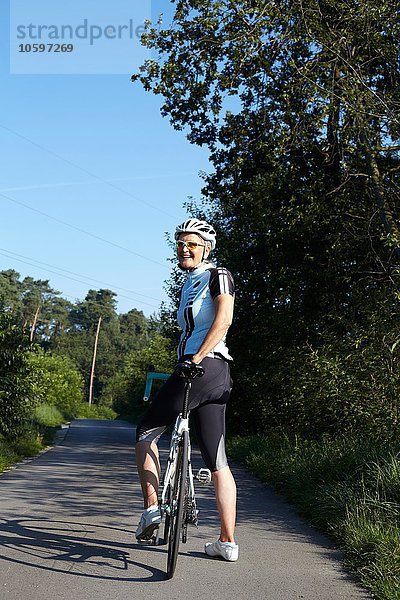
[
  {"x": 16, "y": 400},
  {"x": 41, "y": 308},
  {"x": 298, "y": 103}
]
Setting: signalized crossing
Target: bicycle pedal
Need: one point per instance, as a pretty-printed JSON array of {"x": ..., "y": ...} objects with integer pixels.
[
  {"x": 150, "y": 541},
  {"x": 204, "y": 476},
  {"x": 151, "y": 535}
]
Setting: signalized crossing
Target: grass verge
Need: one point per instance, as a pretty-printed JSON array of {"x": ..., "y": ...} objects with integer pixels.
[
  {"x": 95, "y": 411},
  {"x": 45, "y": 423},
  {"x": 12, "y": 452},
  {"x": 348, "y": 487}
]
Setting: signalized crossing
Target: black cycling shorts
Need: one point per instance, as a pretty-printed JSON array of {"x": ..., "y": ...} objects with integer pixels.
[{"x": 207, "y": 403}]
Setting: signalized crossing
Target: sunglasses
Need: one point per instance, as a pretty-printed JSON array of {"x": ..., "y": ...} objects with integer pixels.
[{"x": 180, "y": 244}]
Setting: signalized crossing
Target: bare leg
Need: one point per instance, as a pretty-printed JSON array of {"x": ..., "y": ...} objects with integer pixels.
[
  {"x": 225, "y": 493},
  {"x": 148, "y": 466}
]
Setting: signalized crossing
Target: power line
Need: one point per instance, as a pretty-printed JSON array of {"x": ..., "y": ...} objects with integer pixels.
[
  {"x": 74, "y": 279},
  {"x": 44, "y": 186},
  {"x": 84, "y": 277},
  {"x": 69, "y": 162},
  {"x": 93, "y": 235}
]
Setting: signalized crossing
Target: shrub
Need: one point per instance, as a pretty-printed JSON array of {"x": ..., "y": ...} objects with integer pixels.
[
  {"x": 17, "y": 398},
  {"x": 345, "y": 386},
  {"x": 95, "y": 411},
  {"x": 48, "y": 416},
  {"x": 128, "y": 387},
  {"x": 57, "y": 382}
]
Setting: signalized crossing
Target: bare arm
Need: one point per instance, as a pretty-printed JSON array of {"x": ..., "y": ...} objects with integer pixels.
[{"x": 223, "y": 318}]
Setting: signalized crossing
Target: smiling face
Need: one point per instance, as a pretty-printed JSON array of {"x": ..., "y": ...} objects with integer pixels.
[{"x": 190, "y": 259}]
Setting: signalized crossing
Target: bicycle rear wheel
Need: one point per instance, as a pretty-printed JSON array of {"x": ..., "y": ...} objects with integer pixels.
[{"x": 176, "y": 504}]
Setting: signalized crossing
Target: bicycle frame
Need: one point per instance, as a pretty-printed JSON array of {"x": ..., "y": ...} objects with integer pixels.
[
  {"x": 177, "y": 502},
  {"x": 181, "y": 425}
]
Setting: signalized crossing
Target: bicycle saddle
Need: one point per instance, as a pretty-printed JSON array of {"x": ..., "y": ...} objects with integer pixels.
[{"x": 188, "y": 370}]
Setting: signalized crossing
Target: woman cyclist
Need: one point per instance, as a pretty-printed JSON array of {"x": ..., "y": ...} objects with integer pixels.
[{"x": 204, "y": 316}]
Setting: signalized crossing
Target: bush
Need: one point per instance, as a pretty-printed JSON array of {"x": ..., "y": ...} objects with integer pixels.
[
  {"x": 95, "y": 411},
  {"x": 12, "y": 451},
  {"x": 8, "y": 456},
  {"x": 345, "y": 378},
  {"x": 57, "y": 382},
  {"x": 17, "y": 398},
  {"x": 346, "y": 386},
  {"x": 48, "y": 416},
  {"x": 127, "y": 388},
  {"x": 27, "y": 445}
]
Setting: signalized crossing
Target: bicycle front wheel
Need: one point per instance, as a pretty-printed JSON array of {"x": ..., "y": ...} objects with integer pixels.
[{"x": 177, "y": 502}]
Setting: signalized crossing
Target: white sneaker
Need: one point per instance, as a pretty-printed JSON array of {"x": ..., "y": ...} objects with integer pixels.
[
  {"x": 227, "y": 550},
  {"x": 149, "y": 522}
]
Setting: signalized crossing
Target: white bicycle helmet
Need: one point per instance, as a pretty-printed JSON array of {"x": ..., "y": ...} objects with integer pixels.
[{"x": 201, "y": 228}]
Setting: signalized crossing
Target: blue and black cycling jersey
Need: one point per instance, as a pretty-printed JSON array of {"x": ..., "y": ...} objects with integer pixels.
[
  {"x": 210, "y": 393},
  {"x": 196, "y": 311}
]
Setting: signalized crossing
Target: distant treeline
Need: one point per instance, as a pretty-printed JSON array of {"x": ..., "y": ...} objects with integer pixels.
[{"x": 47, "y": 347}]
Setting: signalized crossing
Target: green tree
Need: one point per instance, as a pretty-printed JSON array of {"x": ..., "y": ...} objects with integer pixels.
[
  {"x": 128, "y": 387},
  {"x": 59, "y": 321},
  {"x": 134, "y": 331},
  {"x": 298, "y": 104},
  {"x": 40, "y": 305},
  {"x": 96, "y": 303},
  {"x": 16, "y": 396},
  {"x": 78, "y": 343},
  {"x": 11, "y": 288},
  {"x": 57, "y": 382},
  {"x": 38, "y": 301},
  {"x": 119, "y": 334}
]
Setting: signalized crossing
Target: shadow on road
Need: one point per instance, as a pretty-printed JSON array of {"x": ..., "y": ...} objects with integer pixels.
[
  {"x": 74, "y": 548},
  {"x": 76, "y": 499}
]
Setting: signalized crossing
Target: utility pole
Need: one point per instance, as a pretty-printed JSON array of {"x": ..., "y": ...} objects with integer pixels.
[
  {"x": 94, "y": 362},
  {"x": 34, "y": 323}
]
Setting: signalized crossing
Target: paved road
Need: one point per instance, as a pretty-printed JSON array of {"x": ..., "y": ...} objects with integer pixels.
[{"x": 67, "y": 525}]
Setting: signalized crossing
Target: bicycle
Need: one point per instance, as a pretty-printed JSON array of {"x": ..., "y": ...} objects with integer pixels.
[{"x": 178, "y": 501}]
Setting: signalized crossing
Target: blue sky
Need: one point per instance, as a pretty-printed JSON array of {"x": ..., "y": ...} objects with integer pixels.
[{"x": 93, "y": 153}]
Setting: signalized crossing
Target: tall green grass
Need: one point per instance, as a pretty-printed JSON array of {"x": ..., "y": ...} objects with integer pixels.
[
  {"x": 7, "y": 455},
  {"x": 45, "y": 421},
  {"x": 348, "y": 487},
  {"x": 48, "y": 415},
  {"x": 95, "y": 411},
  {"x": 12, "y": 452}
]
